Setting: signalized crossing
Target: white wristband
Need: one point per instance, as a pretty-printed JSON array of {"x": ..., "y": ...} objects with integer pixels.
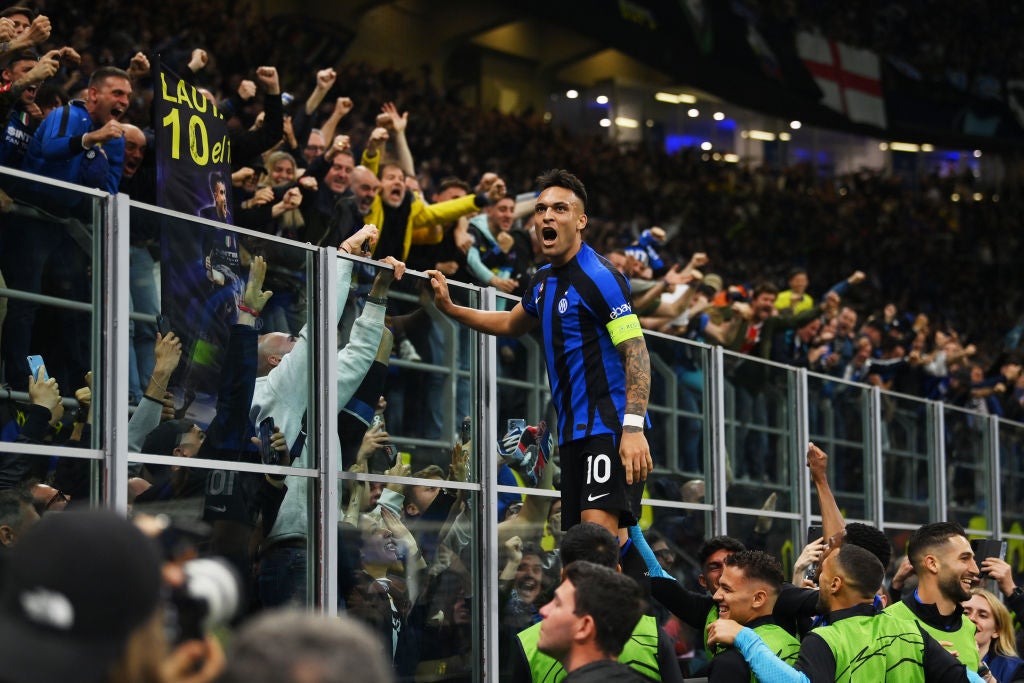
[{"x": 629, "y": 420}]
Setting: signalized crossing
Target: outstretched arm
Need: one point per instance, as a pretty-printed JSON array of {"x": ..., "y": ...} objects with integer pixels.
[
  {"x": 832, "y": 521},
  {"x": 395, "y": 124},
  {"x": 342, "y": 106},
  {"x": 324, "y": 82},
  {"x": 512, "y": 323},
  {"x": 765, "y": 664}
]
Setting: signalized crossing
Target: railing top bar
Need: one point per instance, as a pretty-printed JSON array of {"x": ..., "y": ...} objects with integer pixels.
[
  {"x": 43, "y": 180},
  {"x": 208, "y": 223}
]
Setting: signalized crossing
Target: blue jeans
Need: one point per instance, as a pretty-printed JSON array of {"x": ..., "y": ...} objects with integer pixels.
[
  {"x": 436, "y": 382},
  {"x": 143, "y": 298},
  {"x": 282, "y": 576},
  {"x": 29, "y": 248},
  {"x": 751, "y": 438},
  {"x": 691, "y": 398}
]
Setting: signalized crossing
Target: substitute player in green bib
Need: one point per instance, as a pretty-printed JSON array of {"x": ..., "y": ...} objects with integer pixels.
[
  {"x": 859, "y": 644},
  {"x": 943, "y": 560},
  {"x": 747, "y": 591}
]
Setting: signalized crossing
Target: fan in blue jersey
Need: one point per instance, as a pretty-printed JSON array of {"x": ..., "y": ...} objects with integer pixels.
[{"x": 596, "y": 357}]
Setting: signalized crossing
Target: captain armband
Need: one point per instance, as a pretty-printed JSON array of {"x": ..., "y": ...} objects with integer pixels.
[{"x": 626, "y": 327}]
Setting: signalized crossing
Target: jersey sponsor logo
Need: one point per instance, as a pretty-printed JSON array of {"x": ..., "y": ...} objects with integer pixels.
[
  {"x": 218, "y": 508},
  {"x": 591, "y": 498},
  {"x": 563, "y": 305},
  {"x": 618, "y": 311}
]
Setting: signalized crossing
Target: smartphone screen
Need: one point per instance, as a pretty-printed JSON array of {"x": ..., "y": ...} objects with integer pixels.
[
  {"x": 34, "y": 363},
  {"x": 985, "y": 548},
  {"x": 813, "y": 534},
  {"x": 268, "y": 455}
]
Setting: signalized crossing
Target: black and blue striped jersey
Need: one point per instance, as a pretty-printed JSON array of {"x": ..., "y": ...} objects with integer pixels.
[{"x": 584, "y": 311}]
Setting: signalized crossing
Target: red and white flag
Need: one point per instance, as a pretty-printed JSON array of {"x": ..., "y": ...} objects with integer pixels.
[{"x": 849, "y": 77}]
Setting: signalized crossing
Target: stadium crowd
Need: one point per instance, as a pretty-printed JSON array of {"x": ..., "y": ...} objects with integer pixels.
[{"x": 866, "y": 279}]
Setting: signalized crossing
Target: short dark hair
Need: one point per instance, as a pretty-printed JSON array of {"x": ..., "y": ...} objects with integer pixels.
[
  {"x": 18, "y": 9},
  {"x": 613, "y": 600},
  {"x": 51, "y": 95},
  {"x": 871, "y": 539},
  {"x": 590, "y": 542},
  {"x": 531, "y": 548},
  {"x": 100, "y": 75},
  {"x": 931, "y": 536},
  {"x": 452, "y": 181},
  {"x": 860, "y": 568},
  {"x": 764, "y": 287},
  {"x": 758, "y": 565},
  {"x": 653, "y": 536},
  {"x": 391, "y": 164},
  {"x": 216, "y": 178},
  {"x": 558, "y": 177},
  {"x": 12, "y": 505},
  {"x": 716, "y": 543},
  {"x": 26, "y": 55}
]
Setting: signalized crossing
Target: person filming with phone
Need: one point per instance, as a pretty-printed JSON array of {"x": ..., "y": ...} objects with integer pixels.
[{"x": 232, "y": 501}]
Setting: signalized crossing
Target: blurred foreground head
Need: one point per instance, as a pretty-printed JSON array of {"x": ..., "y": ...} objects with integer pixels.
[
  {"x": 285, "y": 646},
  {"x": 79, "y": 602}
]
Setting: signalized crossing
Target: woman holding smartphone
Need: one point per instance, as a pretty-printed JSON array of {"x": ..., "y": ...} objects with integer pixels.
[{"x": 994, "y": 636}]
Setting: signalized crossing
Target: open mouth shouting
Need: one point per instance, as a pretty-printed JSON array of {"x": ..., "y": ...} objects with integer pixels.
[{"x": 548, "y": 236}]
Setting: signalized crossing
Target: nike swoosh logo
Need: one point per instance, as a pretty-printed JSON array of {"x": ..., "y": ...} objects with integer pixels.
[
  {"x": 591, "y": 498},
  {"x": 218, "y": 508}
]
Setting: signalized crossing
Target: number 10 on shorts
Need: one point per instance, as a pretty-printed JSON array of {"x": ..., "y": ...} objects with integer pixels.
[{"x": 599, "y": 468}]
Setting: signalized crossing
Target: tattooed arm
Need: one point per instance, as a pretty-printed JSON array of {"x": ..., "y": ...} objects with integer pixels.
[{"x": 633, "y": 447}]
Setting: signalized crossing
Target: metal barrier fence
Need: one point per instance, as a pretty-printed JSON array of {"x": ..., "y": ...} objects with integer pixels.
[{"x": 729, "y": 451}]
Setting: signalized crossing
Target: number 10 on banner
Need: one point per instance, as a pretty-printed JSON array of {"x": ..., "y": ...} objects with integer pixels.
[{"x": 198, "y": 140}]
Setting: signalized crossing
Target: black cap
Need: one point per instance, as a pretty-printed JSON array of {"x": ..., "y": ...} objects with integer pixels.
[
  {"x": 166, "y": 437},
  {"x": 77, "y": 585}
]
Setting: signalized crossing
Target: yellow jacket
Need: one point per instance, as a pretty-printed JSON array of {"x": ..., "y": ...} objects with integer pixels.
[{"x": 425, "y": 220}]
